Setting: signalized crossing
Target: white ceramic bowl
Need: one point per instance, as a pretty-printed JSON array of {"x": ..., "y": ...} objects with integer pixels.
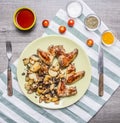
[
  {"x": 92, "y": 29},
  {"x": 108, "y": 45},
  {"x": 74, "y": 9}
]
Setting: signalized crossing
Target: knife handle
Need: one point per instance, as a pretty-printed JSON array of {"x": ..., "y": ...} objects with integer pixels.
[
  {"x": 9, "y": 82},
  {"x": 101, "y": 85}
]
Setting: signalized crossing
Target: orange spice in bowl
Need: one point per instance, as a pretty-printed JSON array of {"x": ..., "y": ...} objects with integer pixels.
[{"x": 108, "y": 38}]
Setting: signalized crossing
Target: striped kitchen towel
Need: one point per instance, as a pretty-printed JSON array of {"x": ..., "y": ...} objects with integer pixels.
[{"x": 19, "y": 109}]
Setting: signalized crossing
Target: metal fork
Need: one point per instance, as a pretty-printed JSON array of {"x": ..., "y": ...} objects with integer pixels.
[{"x": 9, "y": 74}]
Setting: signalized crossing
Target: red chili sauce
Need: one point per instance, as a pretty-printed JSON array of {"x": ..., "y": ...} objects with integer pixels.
[{"x": 25, "y": 18}]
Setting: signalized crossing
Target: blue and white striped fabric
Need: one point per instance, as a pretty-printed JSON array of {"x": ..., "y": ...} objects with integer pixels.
[{"x": 19, "y": 109}]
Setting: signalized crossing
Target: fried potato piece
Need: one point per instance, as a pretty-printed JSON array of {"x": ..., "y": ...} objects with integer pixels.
[
  {"x": 35, "y": 67},
  {"x": 26, "y": 61}
]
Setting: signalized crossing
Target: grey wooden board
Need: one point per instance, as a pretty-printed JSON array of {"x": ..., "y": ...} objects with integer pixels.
[{"x": 108, "y": 10}]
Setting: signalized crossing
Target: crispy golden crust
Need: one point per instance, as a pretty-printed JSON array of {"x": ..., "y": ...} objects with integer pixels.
[
  {"x": 63, "y": 91},
  {"x": 52, "y": 50},
  {"x": 46, "y": 57},
  {"x": 65, "y": 59},
  {"x": 56, "y": 50},
  {"x": 74, "y": 76},
  {"x": 71, "y": 68},
  {"x": 59, "y": 50},
  {"x": 61, "y": 88}
]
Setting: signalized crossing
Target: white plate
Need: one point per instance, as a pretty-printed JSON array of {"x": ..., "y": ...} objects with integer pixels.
[{"x": 81, "y": 62}]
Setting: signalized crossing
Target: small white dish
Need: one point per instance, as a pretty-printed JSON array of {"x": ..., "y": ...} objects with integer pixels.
[
  {"x": 104, "y": 38},
  {"x": 92, "y": 22},
  {"x": 74, "y": 9}
]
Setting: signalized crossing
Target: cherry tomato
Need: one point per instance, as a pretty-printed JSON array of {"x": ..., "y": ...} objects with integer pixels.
[
  {"x": 71, "y": 22},
  {"x": 62, "y": 29},
  {"x": 90, "y": 42},
  {"x": 45, "y": 23}
]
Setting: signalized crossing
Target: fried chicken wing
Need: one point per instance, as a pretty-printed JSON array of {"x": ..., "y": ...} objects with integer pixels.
[
  {"x": 46, "y": 57},
  {"x": 74, "y": 76},
  {"x": 66, "y": 58},
  {"x": 52, "y": 50},
  {"x": 59, "y": 50},
  {"x": 56, "y": 50},
  {"x": 63, "y": 91},
  {"x": 71, "y": 68}
]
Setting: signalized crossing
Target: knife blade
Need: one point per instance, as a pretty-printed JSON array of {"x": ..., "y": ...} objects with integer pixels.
[{"x": 100, "y": 71}]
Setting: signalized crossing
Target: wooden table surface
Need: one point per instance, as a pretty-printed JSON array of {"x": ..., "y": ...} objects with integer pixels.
[{"x": 108, "y": 10}]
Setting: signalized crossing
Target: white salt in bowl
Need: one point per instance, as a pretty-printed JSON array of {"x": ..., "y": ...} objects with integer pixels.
[{"x": 74, "y": 9}]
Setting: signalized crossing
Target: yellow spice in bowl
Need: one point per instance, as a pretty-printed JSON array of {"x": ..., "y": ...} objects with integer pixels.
[{"x": 107, "y": 38}]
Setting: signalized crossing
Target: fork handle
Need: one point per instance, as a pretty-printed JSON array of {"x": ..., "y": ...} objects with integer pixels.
[{"x": 9, "y": 82}]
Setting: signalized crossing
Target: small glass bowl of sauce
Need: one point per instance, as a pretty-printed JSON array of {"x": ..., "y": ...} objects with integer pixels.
[
  {"x": 108, "y": 38},
  {"x": 92, "y": 22},
  {"x": 24, "y": 18}
]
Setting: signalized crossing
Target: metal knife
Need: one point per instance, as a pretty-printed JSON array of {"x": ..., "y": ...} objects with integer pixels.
[{"x": 101, "y": 71}]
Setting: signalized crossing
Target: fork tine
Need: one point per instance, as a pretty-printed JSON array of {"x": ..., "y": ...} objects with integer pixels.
[{"x": 9, "y": 49}]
